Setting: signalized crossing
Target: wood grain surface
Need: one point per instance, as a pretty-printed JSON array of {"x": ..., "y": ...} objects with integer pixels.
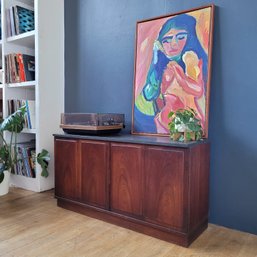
[{"x": 32, "y": 225}]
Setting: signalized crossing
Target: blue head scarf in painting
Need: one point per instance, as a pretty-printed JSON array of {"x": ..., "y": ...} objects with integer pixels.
[{"x": 185, "y": 22}]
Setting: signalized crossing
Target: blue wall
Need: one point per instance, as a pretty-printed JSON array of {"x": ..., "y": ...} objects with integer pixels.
[{"x": 99, "y": 57}]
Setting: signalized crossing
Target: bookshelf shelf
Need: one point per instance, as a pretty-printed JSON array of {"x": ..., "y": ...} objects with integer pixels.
[
  {"x": 45, "y": 94},
  {"x": 24, "y": 182},
  {"x": 25, "y": 39},
  {"x": 27, "y": 84},
  {"x": 29, "y": 131}
]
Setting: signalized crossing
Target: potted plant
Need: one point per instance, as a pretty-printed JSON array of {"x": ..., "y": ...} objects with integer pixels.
[
  {"x": 14, "y": 123},
  {"x": 184, "y": 125}
]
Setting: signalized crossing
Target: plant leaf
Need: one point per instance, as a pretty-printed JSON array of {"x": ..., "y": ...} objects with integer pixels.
[
  {"x": 1, "y": 176},
  {"x": 43, "y": 158},
  {"x": 170, "y": 114},
  {"x": 188, "y": 136},
  {"x": 14, "y": 122}
]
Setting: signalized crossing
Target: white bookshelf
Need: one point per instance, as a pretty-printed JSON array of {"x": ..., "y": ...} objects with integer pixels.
[
  {"x": 46, "y": 43},
  {"x": 27, "y": 84},
  {"x": 26, "y": 39}
]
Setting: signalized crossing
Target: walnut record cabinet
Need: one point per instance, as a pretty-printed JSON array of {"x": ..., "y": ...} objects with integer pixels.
[{"x": 148, "y": 184}]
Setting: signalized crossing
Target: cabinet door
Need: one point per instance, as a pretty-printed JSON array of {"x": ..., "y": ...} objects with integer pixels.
[
  {"x": 94, "y": 170},
  {"x": 126, "y": 178},
  {"x": 67, "y": 176},
  {"x": 165, "y": 184}
]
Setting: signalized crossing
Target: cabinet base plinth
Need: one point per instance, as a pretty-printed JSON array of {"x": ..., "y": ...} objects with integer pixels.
[{"x": 166, "y": 234}]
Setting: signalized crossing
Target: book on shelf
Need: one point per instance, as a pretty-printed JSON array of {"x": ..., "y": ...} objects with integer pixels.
[
  {"x": 26, "y": 156},
  {"x": 24, "y": 19},
  {"x": 19, "y": 20},
  {"x": 11, "y": 11},
  {"x": 30, "y": 117},
  {"x": 30, "y": 107},
  {"x": 19, "y": 68},
  {"x": 8, "y": 22},
  {"x": 29, "y": 67}
]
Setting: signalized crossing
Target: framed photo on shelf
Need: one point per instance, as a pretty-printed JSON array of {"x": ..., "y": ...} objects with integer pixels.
[{"x": 172, "y": 69}]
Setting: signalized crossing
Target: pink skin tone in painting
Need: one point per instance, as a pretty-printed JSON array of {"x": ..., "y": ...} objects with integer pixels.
[
  {"x": 173, "y": 42},
  {"x": 175, "y": 83}
]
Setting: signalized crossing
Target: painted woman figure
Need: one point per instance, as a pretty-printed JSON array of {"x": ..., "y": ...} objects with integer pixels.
[{"x": 176, "y": 77}]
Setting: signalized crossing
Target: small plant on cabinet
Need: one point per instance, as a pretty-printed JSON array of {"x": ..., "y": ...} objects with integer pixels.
[{"x": 184, "y": 125}]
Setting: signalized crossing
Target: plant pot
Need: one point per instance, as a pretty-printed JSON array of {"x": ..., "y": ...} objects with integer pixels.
[
  {"x": 4, "y": 186},
  {"x": 176, "y": 136},
  {"x": 188, "y": 136}
]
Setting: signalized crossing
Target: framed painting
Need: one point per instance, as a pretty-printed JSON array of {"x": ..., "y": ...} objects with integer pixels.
[{"x": 172, "y": 69}]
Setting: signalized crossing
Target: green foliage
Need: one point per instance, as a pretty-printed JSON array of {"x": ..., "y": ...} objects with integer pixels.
[
  {"x": 43, "y": 158},
  {"x": 14, "y": 124},
  {"x": 188, "y": 136},
  {"x": 8, "y": 156},
  {"x": 184, "y": 121}
]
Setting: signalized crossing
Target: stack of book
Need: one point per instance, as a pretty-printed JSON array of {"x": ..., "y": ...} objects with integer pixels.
[
  {"x": 30, "y": 119},
  {"x": 19, "y": 68},
  {"x": 19, "y": 20},
  {"x": 26, "y": 156}
]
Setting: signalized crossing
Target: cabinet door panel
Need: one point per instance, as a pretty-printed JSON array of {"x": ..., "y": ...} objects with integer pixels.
[
  {"x": 94, "y": 168},
  {"x": 126, "y": 178},
  {"x": 67, "y": 178},
  {"x": 164, "y": 187}
]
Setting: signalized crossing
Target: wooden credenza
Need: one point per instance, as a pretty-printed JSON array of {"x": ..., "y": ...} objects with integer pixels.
[{"x": 146, "y": 184}]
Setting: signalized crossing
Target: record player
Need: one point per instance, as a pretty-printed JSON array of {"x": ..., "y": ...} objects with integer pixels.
[{"x": 92, "y": 123}]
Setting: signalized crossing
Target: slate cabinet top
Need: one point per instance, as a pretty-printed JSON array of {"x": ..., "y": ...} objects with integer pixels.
[{"x": 135, "y": 139}]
